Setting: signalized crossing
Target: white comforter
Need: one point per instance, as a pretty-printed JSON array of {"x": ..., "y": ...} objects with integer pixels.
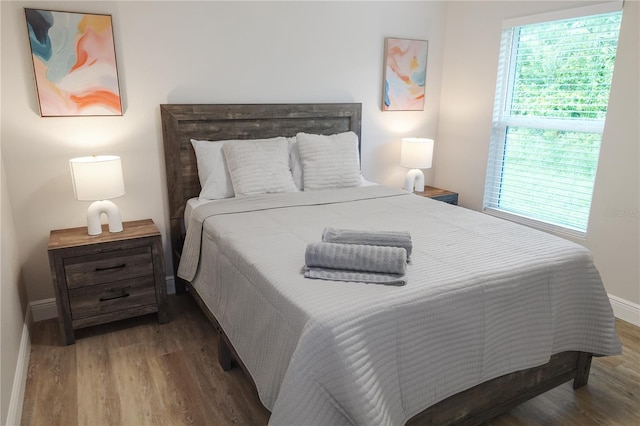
[{"x": 484, "y": 297}]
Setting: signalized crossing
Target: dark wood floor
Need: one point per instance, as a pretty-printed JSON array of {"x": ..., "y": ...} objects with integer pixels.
[{"x": 137, "y": 372}]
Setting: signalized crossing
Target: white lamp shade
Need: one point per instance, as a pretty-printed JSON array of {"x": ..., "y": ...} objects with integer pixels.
[
  {"x": 416, "y": 153},
  {"x": 98, "y": 177}
]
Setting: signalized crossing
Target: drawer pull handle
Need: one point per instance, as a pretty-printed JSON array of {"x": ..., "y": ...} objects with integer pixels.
[
  {"x": 118, "y": 296},
  {"x": 111, "y": 267}
]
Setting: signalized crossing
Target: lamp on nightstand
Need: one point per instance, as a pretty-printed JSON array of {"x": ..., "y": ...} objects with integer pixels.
[
  {"x": 99, "y": 178},
  {"x": 416, "y": 154}
]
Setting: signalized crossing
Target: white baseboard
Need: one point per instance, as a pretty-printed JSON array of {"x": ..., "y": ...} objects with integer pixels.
[
  {"x": 14, "y": 415},
  {"x": 46, "y": 308},
  {"x": 625, "y": 310},
  {"x": 171, "y": 285}
]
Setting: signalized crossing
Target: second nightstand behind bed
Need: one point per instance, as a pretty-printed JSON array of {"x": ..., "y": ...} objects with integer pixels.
[{"x": 439, "y": 194}]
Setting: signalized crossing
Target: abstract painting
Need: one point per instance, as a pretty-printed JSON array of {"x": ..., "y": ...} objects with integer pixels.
[
  {"x": 405, "y": 71},
  {"x": 74, "y": 63}
]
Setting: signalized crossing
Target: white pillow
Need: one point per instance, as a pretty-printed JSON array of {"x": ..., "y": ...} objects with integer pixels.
[
  {"x": 329, "y": 161},
  {"x": 259, "y": 167},
  {"x": 215, "y": 181},
  {"x": 295, "y": 163}
]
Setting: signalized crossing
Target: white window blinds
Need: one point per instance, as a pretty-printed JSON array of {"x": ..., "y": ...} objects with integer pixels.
[{"x": 551, "y": 102}]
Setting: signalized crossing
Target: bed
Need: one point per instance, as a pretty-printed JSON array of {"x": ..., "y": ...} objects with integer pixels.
[{"x": 492, "y": 314}]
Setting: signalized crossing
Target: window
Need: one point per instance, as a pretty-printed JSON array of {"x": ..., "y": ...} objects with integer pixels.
[{"x": 551, "y": 102}]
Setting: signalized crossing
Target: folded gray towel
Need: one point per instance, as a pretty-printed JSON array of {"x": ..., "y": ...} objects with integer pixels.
[
  {"x": 373, "y": 238},
  {"x": 353, "y": 276},
  {"x": 356, "y": 257}
]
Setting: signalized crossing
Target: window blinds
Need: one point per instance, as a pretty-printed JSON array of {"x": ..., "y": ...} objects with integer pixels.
[{"x": 551, "y": 100}]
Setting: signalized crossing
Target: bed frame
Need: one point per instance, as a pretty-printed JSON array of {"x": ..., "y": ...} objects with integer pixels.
[{"x": 181, "y": 123}]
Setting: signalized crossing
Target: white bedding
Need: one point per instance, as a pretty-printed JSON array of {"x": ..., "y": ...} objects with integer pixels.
[
  {"x": 194, "y": 202},
  {"x": 484, "y": 297}
]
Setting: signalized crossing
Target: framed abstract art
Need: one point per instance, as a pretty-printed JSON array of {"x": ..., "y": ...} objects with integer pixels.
[
  {"x": 405, "y": 71},
  {"x": 74, "y": 63}
]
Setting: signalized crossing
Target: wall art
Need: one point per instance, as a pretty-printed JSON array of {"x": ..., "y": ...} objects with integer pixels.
[
  {"x": 74, "y": 63},
  {"x": 405, "y": 71}
]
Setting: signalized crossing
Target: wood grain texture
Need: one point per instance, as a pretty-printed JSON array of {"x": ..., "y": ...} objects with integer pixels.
[
  {"x": 74, "y": 237},
  {"x": 107, "y": 277},
  {"x": 112, "y": 297},
  {"x": 439, "y": 194},
  {"x": 214, "y": 122},
  {"x": 96, "y": 383},
  {"x": 107, "y": 267},
  {"x": 53, "y": 367},
  {"x": 139, "y": 372}
]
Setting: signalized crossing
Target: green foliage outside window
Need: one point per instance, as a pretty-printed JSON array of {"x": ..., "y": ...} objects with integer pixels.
[
  {"x": 563, "y": 83},
  {"x": 562, "y": 174},
  {"x": 561, "y": 74}
]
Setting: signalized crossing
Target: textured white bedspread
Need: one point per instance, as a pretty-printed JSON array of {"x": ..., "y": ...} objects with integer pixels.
[{"x": 484, "y": 297}]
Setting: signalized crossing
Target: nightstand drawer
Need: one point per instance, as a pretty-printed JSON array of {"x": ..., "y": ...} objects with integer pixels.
[
  {"x": 111, "y": 297},
  {"x": 108, "y": 267}
]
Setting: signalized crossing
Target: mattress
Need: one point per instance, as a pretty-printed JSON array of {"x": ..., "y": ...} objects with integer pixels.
[{"x": 484, "y": 297}]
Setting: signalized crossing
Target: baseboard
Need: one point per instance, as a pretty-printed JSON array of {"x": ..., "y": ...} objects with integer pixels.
[
  {"x": 44, "y": 309},
  {"x": 14, "y": 415},
  {"x": 171, "y": 285},
  {"x": 625, "y": 310}
]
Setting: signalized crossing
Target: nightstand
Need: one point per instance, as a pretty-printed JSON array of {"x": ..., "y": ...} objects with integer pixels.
[
  {"x": 107, "y": 277},
  {"x": 439, "y": 194}
]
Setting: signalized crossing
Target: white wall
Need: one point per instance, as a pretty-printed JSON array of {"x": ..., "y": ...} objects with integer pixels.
[
  {"x": 201, "y": 52},
  {"x": 13, "y": 304},
  {"x": 468, "y": 87},
  {"x": 13, "y": 311}
]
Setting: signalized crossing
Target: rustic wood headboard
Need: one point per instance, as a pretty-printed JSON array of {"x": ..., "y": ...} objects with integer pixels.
[{"x": 183, "y": 122}]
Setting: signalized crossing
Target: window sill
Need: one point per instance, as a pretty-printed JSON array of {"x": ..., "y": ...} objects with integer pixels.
[{"x": 536, "y": 224}]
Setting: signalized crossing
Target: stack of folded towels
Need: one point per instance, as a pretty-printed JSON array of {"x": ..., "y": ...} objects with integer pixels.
[{"x": 362, "y": 256}]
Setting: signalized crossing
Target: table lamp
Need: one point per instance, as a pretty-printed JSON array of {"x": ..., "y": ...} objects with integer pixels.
[
  {"x": 99, "y": 178},
  {"x": 416, "y": 154}
]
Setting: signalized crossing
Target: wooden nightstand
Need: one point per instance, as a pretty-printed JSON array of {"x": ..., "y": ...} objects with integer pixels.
[
  {"x": 107, "y": 277},
  {"x": 439, "y": 194}
]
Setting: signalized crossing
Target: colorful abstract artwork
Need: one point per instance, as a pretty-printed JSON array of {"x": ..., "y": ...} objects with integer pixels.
[
  {"x": 405, "y": 71},
  {"x": 74, "y": 62}
]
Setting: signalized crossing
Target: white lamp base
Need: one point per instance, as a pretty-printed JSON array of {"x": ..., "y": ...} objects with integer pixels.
[
  {"x": 414, "y": 181},
  {"x": 95, "y": 211}
]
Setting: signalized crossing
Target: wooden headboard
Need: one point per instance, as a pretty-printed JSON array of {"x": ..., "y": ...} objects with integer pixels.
[{"x": 183, "y": 122}]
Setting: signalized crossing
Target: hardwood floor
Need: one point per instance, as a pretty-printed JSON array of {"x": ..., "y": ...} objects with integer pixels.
[{"x": 139, "y": 372}]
